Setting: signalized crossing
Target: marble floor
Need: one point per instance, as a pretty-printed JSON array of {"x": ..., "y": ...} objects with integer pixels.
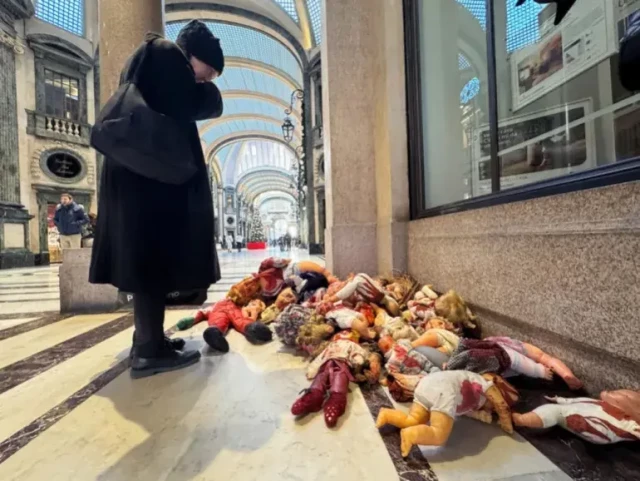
[{"x": 69, "y": 410}]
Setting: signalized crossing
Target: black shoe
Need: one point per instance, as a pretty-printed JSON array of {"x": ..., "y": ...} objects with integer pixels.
[
  {"x": 166, "y": 360},
  {"x": 258, "y": 333},
  {"x": 176, "y": 343},
  {"x": 215, "y": 339}
]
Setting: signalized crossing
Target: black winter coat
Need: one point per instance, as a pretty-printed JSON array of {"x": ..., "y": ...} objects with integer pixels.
[{"x": 155, "y": 237}]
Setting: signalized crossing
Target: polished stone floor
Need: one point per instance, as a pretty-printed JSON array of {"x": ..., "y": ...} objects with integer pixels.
[{"x": 69, "y": 410}]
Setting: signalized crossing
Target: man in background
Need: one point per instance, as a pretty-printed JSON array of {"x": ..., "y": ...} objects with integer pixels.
[{"x": 69, "y": 219}]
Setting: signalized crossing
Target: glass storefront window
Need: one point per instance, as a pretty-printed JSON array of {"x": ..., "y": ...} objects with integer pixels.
[
  {"x": 454, "y": 95},
  {"x": 560, "y": 106}
]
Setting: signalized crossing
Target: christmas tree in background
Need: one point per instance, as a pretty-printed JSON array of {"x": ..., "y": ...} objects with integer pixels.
[{"x": 256, "y": 230}]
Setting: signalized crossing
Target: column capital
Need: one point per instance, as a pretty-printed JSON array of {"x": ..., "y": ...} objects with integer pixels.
[{"x": 12, "y": 10}]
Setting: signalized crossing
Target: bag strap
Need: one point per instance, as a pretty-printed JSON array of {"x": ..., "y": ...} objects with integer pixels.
[{"x": 133, "y": 71}]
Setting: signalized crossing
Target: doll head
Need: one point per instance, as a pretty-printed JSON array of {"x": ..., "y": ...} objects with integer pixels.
[
  {"x": 624, "y": 399},
  {"x": 253, "y": 309},
  {"x": 439, "y": 323},
  {"x": 455, "y": 310},
  {"x": 285, "y": 299},
  {"x": 270, "y": 314},
  {"x": 386, "y": 344}
]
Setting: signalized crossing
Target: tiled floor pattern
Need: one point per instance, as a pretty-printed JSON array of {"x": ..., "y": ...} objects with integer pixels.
[{"x": 69, "y": 411}]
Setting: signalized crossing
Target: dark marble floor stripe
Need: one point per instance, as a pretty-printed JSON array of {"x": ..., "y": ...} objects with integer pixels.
[
  {"x": 20, "y": 439},
  {"x": 25, "y": 369},
  {"x": 20, "y": 287},
  {"x": 44, "y": 320},
  {"x": 415, "y": 467}
]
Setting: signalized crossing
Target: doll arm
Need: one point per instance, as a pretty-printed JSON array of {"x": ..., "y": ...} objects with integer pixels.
[
  {"x": 574, "y": 400},
  {"x": 545, "y": 416},
  {"x": 556, "y": 365},
  {"x": 501, "y": 407}
]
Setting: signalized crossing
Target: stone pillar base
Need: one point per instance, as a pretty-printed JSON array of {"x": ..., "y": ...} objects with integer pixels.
[
  {"x": 11, "y": 259},
  {"x": 352, "y": 248},
  {"x": 14, "y": 241},
  {"x": 76, "y": 293}
]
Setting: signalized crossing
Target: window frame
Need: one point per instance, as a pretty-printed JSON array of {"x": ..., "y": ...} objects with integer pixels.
[
  {"x": 83, "y": 34},
  {"x": 614, "y": 173}
]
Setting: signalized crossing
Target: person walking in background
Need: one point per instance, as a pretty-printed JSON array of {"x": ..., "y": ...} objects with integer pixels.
[
  {"x": 229, "y": 243},
  {"x": 174, "y": 79},
  {"x": 69, "y": 219},
  {"x": 239, "y": 242}
]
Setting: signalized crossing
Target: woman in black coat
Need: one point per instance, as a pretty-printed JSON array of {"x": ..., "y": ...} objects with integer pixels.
[{"x": 155, "y": 238}]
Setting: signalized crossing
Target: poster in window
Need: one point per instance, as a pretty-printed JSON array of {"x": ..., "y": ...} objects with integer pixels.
[
  {"x": 535, "y": 147},
  {"x": 585, "y": 37},
  {"x": 625, "y": 10}
]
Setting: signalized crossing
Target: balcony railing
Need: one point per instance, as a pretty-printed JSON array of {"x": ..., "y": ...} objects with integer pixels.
[{"x": 50, "y": 127}]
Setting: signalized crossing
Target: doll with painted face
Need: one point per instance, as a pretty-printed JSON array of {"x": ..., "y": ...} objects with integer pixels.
[
  {"x": 613, "y": 418},
  {"x": 438, "y": 399},
  {"x": 364, "y": 288}
]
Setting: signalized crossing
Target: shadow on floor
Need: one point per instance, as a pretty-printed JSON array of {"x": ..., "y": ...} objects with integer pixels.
[{"x": 194, "y": 414}]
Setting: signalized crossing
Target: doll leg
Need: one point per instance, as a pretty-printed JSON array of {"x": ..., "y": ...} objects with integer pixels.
[
  {"x": 494, "y": 396},
  {"x": 526, "y": 366},
  {"x": 527, "y": 420},
  {"x": 311, "y": 401},
  {"x": 436, "y": 434},
  {"x": 417, "y": 415},
  {"x": 339, "y": 379},
  {"x": 219, "y": 322},
  {"x": 255, "y": 332},
  {"x": 556, "y": 365}
]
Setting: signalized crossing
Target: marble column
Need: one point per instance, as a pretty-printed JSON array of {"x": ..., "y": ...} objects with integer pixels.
[
  {"x": 364, "y": 136},
  {"x": 14, "y": 240},
  {"x": 123, "y": 25}
]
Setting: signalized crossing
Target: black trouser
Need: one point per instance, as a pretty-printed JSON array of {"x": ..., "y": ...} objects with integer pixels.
[{"x": 148, "y": 315}]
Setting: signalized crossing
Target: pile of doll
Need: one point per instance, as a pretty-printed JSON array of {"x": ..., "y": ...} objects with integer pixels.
[{"x": 424, "y": 346}]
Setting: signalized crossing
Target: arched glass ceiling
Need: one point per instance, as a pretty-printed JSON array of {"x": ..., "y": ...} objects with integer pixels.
[
  {"x": 289, "y": 6},
  {"x": 234, "y": 78},
  {"x": 245, "y": 42},
  {"x": 66, "y": 14},
  {"x": 277, "y": 206},
  {"x": 239, "y": 126},
  {"x": 267, "y": 196},
  {"x": 255, "y": 186},
  {"x": 252, "y": 107},
  {"x": 463, "y": 63},
  {"x": 261, "y": 154},
  {"x": 315, "y": 16}
]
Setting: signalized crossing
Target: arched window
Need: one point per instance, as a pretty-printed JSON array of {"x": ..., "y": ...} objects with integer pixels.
[{"x": 66, "y": 14}]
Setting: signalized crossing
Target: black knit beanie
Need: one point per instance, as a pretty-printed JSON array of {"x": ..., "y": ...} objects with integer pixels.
[{"x": 196, "y": 40}]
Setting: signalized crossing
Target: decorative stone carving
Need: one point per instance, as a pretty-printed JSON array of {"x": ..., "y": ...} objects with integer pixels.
[{"x": 12, "y": 42}]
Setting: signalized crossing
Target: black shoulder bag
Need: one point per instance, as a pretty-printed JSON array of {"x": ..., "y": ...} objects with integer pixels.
[{"x": 137, "y": 137}]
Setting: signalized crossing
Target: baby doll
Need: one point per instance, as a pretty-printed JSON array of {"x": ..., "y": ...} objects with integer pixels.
[
  {"x": 349, "y": 319},
  {"x": 438, "y": 337},
  {"x": 401, "y": 358},
  {"x": 226, "y": 313},
  {"x": 509, "y": 357},
  {"x": 363, "y": 288},
  {"x": 297, "y": 268},
  {"x": 612, "y": 419},
  {"x": 438, "y": 399},
  {"x": 396, "y": 327},
  {"x": 313, "y": 336},
  {"x": 332, "y": 371}
]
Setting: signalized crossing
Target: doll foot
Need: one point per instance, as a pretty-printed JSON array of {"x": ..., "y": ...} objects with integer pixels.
[
  {"x": 548, "y": 374},
  {"x": 258, "y": 333},
  {"x": 382, "y": 418},
  {"x": 405, "y": 444},
  {"x": 310, "y": 402},
  {"x": 334, "y": 408},
  {"x": 215, "y": 339}
]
